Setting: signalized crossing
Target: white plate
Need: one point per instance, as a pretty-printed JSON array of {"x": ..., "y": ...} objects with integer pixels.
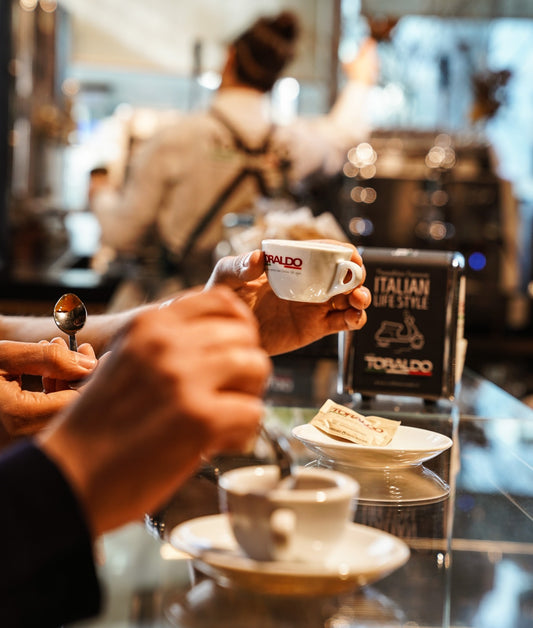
[
  {"x": 366, "y": 555},
  {"x": 409, "y": 446}
]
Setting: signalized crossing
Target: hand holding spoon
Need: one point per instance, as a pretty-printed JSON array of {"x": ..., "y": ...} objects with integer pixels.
[{"x": 70, "y": 315}]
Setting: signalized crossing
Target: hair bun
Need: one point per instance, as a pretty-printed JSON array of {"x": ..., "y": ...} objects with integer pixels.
[
  {"x": 265, "y": 48},
  {"x": 287, "y": 25}
]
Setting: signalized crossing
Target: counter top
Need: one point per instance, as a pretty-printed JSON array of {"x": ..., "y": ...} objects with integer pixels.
[{"x": 471, "y": 542}]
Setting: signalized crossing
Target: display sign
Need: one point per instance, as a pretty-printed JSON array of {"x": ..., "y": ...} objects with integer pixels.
[{"x": 413, "y": 341}]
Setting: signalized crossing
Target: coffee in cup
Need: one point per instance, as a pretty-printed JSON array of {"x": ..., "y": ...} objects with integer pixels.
[
  {"x": 303, "y": 518},
  {"x": 310, "y": 270}
]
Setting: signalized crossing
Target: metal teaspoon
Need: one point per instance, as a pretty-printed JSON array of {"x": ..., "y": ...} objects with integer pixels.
[
  {"x": 70, "y": 315},
  {"x": 282, "y": 453}
]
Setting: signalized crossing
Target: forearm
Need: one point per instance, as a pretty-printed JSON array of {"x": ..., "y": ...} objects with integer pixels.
[
  {"x": 350, "y": 114},
  {"x": 27, "y": 328},
  {"x": 352, "y": 110},
  {"x": 98, "y": 330}
]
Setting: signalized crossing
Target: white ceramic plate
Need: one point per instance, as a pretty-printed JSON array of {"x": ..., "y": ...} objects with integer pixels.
[
  {"x": 409, "y": 446},
  {"x": 366, "y": 555}
]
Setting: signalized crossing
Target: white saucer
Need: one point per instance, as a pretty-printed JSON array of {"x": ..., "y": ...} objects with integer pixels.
[
  {"x": 409, "y": 446},
  {"x": 366, "y": 555}
]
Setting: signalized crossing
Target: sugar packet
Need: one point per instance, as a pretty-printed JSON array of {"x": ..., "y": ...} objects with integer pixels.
[{"x": 342, "y": 422}]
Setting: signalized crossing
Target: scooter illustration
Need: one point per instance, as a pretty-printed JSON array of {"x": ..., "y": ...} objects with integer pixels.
[{"x": 391, "y": 332}]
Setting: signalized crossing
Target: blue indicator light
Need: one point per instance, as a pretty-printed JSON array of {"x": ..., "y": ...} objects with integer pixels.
[{"x": 477, "y": 261}]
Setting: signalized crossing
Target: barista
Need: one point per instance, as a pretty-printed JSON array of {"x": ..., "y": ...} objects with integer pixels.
[{"x": 222, "y": 160}]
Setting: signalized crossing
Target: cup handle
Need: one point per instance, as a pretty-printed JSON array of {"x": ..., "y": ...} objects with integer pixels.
[
  {"x": 282, "y": 525},
  {"x": 339, "y": 285}
]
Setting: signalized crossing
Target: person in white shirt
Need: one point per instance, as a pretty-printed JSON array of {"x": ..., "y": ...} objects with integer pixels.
[{"x": 222, "y": 160}]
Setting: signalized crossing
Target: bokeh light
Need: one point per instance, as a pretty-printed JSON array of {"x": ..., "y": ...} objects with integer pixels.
[{"x": 477, "y": 261}]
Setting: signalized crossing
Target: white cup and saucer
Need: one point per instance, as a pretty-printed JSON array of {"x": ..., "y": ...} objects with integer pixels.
[
  {"x": 294, "y": 537},
  {"x": 303, "y": 518}
]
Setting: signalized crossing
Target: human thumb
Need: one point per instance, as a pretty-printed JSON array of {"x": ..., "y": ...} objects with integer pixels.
[{"x": 236, "y": 270}]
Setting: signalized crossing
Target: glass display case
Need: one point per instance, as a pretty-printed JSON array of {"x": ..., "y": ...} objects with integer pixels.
[{"x": 465, "y": 514}]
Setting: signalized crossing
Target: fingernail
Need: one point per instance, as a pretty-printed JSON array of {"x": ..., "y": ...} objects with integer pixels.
[
  {"x": 246, "y": 260},
  {"x": 367, "y": 292}
]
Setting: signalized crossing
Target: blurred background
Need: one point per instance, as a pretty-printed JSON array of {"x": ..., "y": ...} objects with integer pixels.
[{"x": 449, "y": 164}]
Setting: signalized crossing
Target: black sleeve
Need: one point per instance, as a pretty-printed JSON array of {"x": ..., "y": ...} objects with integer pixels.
[{"x": 47, "y": 571}]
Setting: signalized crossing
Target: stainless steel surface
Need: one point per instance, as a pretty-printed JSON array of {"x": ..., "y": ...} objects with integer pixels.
[{"x": 70, "y": 315}]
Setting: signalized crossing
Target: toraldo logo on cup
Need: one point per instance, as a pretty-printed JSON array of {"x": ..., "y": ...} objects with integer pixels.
[
  {"x": 287, "y": 262},
  {"x": 310, "y": 270}
]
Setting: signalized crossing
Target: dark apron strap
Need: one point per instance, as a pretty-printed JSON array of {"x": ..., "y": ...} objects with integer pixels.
[
  {"x": 226, "y": 193},
  {"x": 220, "y": 201},
  {"x": 237, "y": 139}
]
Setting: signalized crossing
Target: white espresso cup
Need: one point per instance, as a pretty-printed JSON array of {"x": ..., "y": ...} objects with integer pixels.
[
  {"x": 310, "y": 270},
  {"x": 303, "y": 518}
]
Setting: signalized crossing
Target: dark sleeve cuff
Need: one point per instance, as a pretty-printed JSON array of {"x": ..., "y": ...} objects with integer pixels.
[{"x": 47, "y": 572}]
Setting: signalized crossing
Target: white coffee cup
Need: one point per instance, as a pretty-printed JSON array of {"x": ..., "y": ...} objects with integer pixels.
[
  {"x": 303, "y": 518},
  {"x": 310, "y": 270}
]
